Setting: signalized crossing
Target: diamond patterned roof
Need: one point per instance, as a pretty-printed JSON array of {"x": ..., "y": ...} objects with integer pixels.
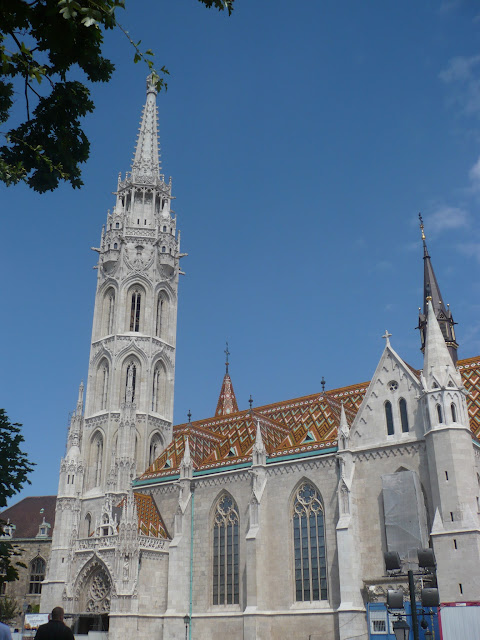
[
  {"x": 297, "y": 426},
  {"x": 150, "y": 522},
  {"x": 227, "y": 402}
]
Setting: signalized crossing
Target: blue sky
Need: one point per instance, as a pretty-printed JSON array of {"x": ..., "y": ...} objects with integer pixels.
[{"x": 302, "y": 139}]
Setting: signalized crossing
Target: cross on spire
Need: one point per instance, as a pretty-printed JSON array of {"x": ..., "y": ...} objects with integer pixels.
[
  {"x": 387, "y": 336},
  {"x": 227, "y": 353}
]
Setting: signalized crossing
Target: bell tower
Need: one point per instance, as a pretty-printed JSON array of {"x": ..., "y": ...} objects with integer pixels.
[{"x": 126, "y": 419}]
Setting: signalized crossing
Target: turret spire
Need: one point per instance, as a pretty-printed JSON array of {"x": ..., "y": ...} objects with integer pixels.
[
  {"x": 227, "y": 402},
  {"x": 437, "y": 364},
  {"x": 146, "y": 162},
  {"x": 431, "y": 292}
]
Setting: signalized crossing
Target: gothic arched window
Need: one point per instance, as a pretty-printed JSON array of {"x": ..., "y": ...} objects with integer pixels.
[
  {"x": 161, "y": 324},
  {"x": 439, "y": 413},
  {"x": 402, "y": 404},
  {"x": 155, "y": 448},
  {"x": 389, "y": 418},
  {"x": 226, "y": 588},
  {"x": 159, "y": 396},
  {"x": 104, "y": 376},
  {"x": 88, "y": 524},
  {"x": 37, "y": 575},
  {"x": 97, "y": 459},
  {"x": 130, "y": 382},
  {"x": 135, "y": 310},
  {"x": 454, "y": 412},
  {"x": 309, "y": 545}
]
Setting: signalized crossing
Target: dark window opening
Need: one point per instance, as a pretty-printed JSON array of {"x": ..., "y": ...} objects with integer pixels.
[{"x": 389, "y": 418}]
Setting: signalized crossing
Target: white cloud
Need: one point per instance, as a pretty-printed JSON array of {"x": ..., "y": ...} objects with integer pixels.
[
  {"x": 461, "y": 72},
  {"x": 470, "y": 249},
  {"x": 446, "y": 218},
  {"x": 474, "y": 175}
]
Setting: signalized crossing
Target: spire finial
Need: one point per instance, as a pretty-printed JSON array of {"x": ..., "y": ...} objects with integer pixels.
[
  {"x": 250, "y": 401},
  {"x": 422, "y": 229},
  {"x": 322, "y": 382},
  {"x": 189, "y": 416},
  {"x": 227, "y": 353},
  {"x": 386, "y": 336}
]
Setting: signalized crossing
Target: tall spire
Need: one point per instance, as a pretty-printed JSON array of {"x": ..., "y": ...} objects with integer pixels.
[
  {"x": 431, "y": 292},
  {"x": 227, "y": 402},
  {"x": 146, "y": 162}
]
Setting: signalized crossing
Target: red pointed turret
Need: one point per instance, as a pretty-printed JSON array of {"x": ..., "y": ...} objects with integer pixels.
[{"x": 227, "y": 402}]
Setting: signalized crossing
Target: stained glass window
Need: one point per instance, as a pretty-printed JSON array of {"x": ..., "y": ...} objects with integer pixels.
[
  {"x": 225, "y": 552},
  {"x": 389, "y": 418},
  {"x": 309, "y": 545},
  {"x": 403, "y": 414}
]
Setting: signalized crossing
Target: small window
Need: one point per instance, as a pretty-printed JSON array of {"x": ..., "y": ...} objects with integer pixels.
[
  {"x": 164, "y": 249},
  {"x": 439, "y": 414},
  {"x": 115, "y": 246},
  {"x": 403, "y": 414},
  {"x": 164, "y": 229},
  {"x": 454, "y": 412},
  {"x": 378, "y": 622},
  {"x": 117, "y": 225},
  {"x": 135, "y": 311},
  {"x": 389, "y": 418}
]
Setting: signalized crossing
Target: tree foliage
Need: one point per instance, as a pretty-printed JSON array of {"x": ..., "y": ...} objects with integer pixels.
[
  {"x": 42, "y": 42},
  {"x": 9, "y": 609},
  {"x": 14, "y": 469}
]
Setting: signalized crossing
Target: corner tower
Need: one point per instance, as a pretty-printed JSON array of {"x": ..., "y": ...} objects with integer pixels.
[{"x": 126, "y": 420}]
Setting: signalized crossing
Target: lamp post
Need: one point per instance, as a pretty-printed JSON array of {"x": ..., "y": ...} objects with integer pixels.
[
  {"x": 186, "y": 620},
  {"x": 401, "y": 629}
]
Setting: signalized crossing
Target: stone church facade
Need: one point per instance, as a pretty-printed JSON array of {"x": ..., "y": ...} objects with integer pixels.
[{"x": 267, "y": 523}]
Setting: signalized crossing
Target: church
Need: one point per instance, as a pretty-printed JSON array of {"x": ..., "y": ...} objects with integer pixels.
[{"x": 268, "y": 523}]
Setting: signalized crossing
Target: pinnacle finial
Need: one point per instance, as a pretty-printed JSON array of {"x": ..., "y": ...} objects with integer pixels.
[
  {"x": 227, "y": 353},
  {"x": 322, "y": 382},
  {"x": 250, "y": 401},
  {"x": 422, "y": 229},
  {"x": 386, "y": 336},
  {"x": 152, "y": 80},
  {"x": 189, "y": 416}
]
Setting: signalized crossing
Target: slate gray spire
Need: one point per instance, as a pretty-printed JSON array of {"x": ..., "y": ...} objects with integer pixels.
[
  {"x": 146, "y": 161},
  {"x": 431, "y": 292}
]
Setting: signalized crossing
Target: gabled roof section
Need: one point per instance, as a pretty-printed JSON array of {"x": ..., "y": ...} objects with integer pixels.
[
  {"x": 27, "y": 515},
  {"x": 227, "y": 402}
]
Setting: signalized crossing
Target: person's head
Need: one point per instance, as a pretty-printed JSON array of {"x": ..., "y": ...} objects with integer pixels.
[{"x": 57, "y": 613}]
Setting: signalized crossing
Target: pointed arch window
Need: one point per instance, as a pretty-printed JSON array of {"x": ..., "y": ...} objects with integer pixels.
[
  {"x": 389, "y": 418},
  {"x": 105, "y": 376},
  {"x": 159, "y": 397},
  {"x": 130, "y": 382},
  {"x": 155, "y": 448},
  {"x": 454, "y": 412},
  {"x": 135, "y": 310},
  {"x": 97, "y": 451},
  {"x": 161, "y": 325},
  {"x": 37, "y": 575},
  {"x": 226, "y": 589},
  {"x": 402, "y": 404},
  {"x": 309, "y": 545},
  {"x": 88, "y": 524},
  {"x": 439, "y": 414}
]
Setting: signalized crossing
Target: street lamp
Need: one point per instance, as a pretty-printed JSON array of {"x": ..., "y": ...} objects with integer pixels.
[
  {"x": 186, "y": 620},
  {"x": 401, "y": 629}
]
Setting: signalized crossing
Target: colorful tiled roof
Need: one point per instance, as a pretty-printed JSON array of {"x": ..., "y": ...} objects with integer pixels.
[{"x": 300, "y": 426}]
